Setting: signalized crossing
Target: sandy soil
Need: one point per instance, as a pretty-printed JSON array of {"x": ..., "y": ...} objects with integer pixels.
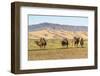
[{"x": 67, "y": 53}]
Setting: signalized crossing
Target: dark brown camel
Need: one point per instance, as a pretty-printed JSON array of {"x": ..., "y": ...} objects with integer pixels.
[
  {"x": 41, "y": 43},
  {"x": 78, "y": 41},
  {"x": 81, "y": 42},
  {"x": 64, "y": 42}
]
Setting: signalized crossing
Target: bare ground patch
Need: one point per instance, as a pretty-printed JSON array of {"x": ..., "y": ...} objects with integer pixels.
[{"x": 66, "y": 53}]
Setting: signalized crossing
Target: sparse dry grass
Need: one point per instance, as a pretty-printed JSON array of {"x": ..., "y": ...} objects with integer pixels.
[
  {"x": 68, "y": 53},
  {"x": 51, "y": 44},
  {"x": 54, "y": 50}
]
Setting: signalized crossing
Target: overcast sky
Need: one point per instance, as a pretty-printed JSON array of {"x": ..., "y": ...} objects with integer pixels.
[{"x": 66, "y": 20}]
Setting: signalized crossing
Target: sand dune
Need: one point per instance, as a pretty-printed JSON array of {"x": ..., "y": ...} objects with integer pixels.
[{"x": 56, "y": 34}]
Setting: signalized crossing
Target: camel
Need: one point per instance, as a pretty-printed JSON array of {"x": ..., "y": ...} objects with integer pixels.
[
  {"x": 41, "y": 43},
  {"x": 64, "y": 42}
]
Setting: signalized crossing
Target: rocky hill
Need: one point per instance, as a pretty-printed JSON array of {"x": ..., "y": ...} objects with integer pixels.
[{"x": 57, "y": 31}]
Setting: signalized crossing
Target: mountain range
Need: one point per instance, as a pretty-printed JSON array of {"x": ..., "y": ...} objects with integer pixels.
[
  {"x": 52, "y": 26},
  {"x": 56, "y": 31}
]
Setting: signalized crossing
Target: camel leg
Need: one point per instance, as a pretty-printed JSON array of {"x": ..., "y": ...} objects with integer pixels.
[
  {"x": 44, "y": 46},
  {"x": 40, "y": 47},
  {"x": 67, "y": 46},
  {"x": 77, "y": 45}
]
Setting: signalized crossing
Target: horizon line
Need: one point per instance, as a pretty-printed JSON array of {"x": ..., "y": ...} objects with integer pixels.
[{"x": 57, "y": 23}]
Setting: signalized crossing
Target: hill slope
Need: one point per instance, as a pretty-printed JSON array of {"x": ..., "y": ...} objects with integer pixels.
[
  {"x": 56, "y": 31},
  {"x": 53, "y": 26},
  {"x": 56, "y": 34}
]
